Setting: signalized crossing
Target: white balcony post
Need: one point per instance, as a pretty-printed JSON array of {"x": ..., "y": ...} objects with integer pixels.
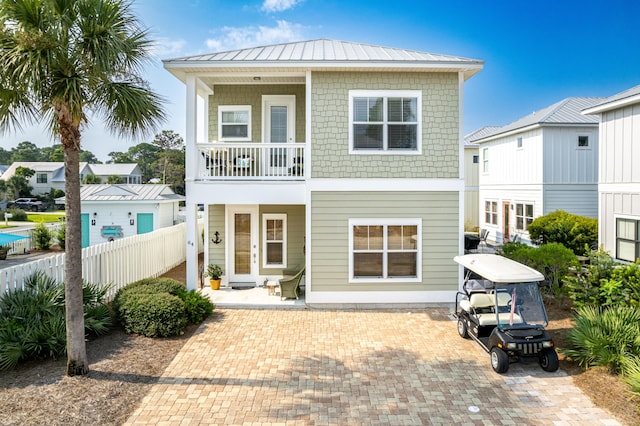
[{"x": 191, "y": 164}]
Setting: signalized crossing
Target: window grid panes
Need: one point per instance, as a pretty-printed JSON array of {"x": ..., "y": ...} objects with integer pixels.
[
  {"x": 41, "y": 178},
  {"x": 385, "y": 123},
  {"x": 275, "y": 240},
  {"x": 485, "y": 160},
  {"x": 524, "y": 216},
  {"x": 385, "y": 251},
  {"x": 627, "y": 239},
  {"x": 491, "y": 212}
]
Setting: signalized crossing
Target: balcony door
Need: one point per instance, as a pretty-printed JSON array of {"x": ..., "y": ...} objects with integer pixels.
[
  {"x": 242, "y": 222},
  {"x": 278, "y": 128}
]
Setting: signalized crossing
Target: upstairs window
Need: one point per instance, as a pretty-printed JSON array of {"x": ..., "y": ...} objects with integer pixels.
[
  {"x": 385, "y": 122},
  {"x": 41, "y": 178},
  {"x": 519, "y": 142},
  {"x": 583, "y": 141},
  {"x": 476, "y": 159},
  {"x": 485, "y": 160},
  {"x": 234, "y": 122},
  {"x": 627, "y": 239}
]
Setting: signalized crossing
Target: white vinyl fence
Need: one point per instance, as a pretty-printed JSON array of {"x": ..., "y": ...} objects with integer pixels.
[
  {"x": 116, "y": 263},
  {"x": 24, "y": 245}
]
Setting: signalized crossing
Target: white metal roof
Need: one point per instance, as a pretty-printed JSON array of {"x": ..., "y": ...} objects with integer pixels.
[
  {"x": 498, "y": 269},
  {"x": 321, "y": 54},
  {"x": 619, "y": 100},
  {"x": 119, "y": 169},
  {"x": 129, "y": 193},
  {"x": 567, "y": 111}
]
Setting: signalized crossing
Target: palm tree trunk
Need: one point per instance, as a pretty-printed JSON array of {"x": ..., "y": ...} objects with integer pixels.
[{"x": 77, "y": 363}]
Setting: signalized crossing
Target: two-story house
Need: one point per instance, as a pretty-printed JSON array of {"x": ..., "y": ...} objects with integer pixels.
[
  {"x": 541, "y": 163},
  {"x": 471, "y": 177},
  {"x": 619, "y": 181},
  {"x": 342, "y": 158}
]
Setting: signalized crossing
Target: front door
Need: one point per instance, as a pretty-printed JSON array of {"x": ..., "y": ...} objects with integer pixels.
[
  {"x": 505, "y": 222},
  {"x": 145, "y": 223},
  {"x": 279, "y": 128},
  {"x": 85, "y": 229},
  {"x": 242, "y": 222}
]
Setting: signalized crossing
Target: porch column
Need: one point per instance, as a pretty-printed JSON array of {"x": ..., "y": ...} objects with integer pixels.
[{"x": 191, "y": 167}]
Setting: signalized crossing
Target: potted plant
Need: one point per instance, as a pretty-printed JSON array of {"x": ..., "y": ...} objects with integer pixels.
[
  {"x": 214, "y": 272},
  {"x": 4, "y": 249}
]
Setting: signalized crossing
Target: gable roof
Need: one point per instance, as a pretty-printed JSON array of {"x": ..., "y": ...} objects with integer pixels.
[
  {"x": 120, "y": 169},
  {"x": 619, "y": 100},
  {"x": 56, "y": 168},
  {"x": 565, "y": 112},
  {"x": 117, "y": 193},
  {"x": 479, "y": 133},
  {"x": 322, "y": 54}
]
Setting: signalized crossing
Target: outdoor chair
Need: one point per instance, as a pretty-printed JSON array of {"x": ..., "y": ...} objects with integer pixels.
[
  {"x": 290, "y": 286},
  {"x": 484, "y": 233}
]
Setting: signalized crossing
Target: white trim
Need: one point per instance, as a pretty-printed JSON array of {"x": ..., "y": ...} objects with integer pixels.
[
  {"x": 384, "y": 298},
  {"x": 234, "y": 108},
  {"x": 608, "y": 106},
  {"x": 583, "y": 148},
  {"x": 524, "y": 216},
  {"x": 485, "y": 160},
  {"x": 615, "y": 233},
  {"x": 281, "y": 100},
  {"x": 417, "y": 222},
  {"x": 265, "y": 218},
  {"x": 253, "y": 210},
  {"x": 385, "y": 94},
  {"x": 619, "y": 187}
]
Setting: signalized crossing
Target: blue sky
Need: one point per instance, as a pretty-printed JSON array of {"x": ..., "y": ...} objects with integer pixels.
[{"x": 536, "y": 52}]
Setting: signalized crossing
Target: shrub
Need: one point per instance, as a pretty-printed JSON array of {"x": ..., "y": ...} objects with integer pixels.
[
  {"x": 631, "y": 370},
  {"x": 153, "y": 314},
  {"x": 605, "y": 337},
  {"x": 61, "y": 235},
  {"x": 18, "y": 215},
  {"x": 577, "y": 233},
  {"x": 198, "y": 307},
  {"x": 140, "y": 311},
  {"x": 32, "y": 319},
  {"x": 42, "y": 237},
  {"x": 553, "y": 260}
]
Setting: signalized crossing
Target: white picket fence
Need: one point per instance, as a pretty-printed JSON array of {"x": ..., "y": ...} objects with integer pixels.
[
  {"x": 24, "y": 245},
  {"x": 116, "y": 263}
]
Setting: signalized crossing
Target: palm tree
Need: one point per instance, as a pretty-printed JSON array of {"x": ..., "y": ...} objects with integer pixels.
[{"x": 62, "y": 59}]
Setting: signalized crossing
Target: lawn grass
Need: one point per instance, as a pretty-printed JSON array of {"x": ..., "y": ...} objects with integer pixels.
[{"x": 45, "y": 217}]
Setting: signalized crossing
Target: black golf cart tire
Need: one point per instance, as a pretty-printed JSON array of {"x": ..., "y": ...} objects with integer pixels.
[
  {"x": 549, "y": 360},
  {"x": 463, "y": 329},
  {"x": 499, "y": 360}
]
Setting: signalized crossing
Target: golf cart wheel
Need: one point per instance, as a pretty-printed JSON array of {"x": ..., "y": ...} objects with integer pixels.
[
  {"x": 499, "y": 360},
  {"x": 549, "y": 360},
  {"x": 463, "y": 331}
]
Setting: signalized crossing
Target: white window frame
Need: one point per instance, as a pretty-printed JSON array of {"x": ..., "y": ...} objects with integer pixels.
[
  {"x": 385, "y": 94},
  {"x": 587, "y": 146},
  {"x": 40, "y": 176},
  {"x": 385, "y": 250},
  {"x": 519, "y": 142},
  {"x": 492, "y": 213},
  {"x": 523, "y": 216},
  {"x": 234, "y": 108},
  {"x": 265, "y": 240},
  {"x": 616, "y": 238},
  {"x": 485, "y": 160}
]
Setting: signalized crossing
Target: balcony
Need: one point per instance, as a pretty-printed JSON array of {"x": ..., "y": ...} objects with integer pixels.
[{"x": 251, "y": 161}]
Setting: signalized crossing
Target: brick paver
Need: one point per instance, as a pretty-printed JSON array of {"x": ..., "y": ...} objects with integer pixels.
[{"x": 323, "y": 367}]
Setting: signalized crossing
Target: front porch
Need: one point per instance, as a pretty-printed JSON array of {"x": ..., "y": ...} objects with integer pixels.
[{"x": 251, "y": 297}]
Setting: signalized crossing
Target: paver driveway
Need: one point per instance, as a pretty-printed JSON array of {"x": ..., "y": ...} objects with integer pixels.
[{"x": 321, "y": 367}]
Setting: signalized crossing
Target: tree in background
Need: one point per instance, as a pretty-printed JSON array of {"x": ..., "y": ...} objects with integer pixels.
[
  {"x": 19, "y": 182},
  {"x": 144, "y": 155},
  {"x": 62, "y": 59},
  {"x": 91, "y": 179},
  {"x": 114, "y": 180},
  {"x": 5, "y": 156},
  {"x": 26, "y": 151},
  {"x": 167, "y": 141}
]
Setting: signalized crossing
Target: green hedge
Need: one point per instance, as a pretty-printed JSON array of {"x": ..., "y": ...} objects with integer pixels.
[
  {"x": 578, "y": 233},
  {"x": 159, "y": 307}
]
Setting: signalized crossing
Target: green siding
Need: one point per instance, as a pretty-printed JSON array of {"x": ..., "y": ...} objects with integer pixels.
[
  {"x": 330, "y": 126},
  {"x": 252, "y": 95},
  {"x": 217, "y": 223},
  {"x": 330, "y": 216},
  {"x": 295, "y": 236}
]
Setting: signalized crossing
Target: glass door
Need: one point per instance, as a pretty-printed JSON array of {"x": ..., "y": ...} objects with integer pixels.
[
  {"x": 279, "y": 128},
  {"x": 243, "y": 244}
]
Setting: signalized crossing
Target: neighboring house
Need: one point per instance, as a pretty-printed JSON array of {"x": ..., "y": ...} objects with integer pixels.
[
  {"x": 471, "y": 178},
  {"x": 541, "y": 163},
  {"x": 619, "y": 181},
  {"x": 339, "y": 157},
  {"x": 129, "y": 173},
  {"x": 116, "y": 211},
  {"x": 51, "y": 174}
]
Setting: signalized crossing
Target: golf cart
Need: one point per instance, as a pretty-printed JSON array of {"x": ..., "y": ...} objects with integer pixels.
[{"x": 500, "y": 307}]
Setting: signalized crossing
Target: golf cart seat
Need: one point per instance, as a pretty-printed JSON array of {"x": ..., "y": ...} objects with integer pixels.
[{"x": 480, "y": 306}]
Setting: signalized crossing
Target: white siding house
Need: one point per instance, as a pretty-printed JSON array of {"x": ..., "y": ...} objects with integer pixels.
[
  {"x": 341, "y": 158},
  {"x": 471, "y": 178},
  {"x": 540, "y": 163},
  {"x": 619, "y": 177}
]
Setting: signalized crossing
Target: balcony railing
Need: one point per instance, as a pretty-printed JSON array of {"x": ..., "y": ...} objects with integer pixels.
[{"x": 251, "y": 161}]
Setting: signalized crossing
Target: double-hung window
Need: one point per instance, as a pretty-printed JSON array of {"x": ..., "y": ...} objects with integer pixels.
[
  {"x": 524, "y": 216},
  {"x": 234, "y": 122},
  {"x": 274, "y": 238},
  {"x": 385, "y": 122},
  {"x": 485, "y": 160},
  {"x": 41, "y": 178},
  {"x": 491, "y": 212},
  {"x": 627, "y": 239},
  {"x": 385, "y": 250}
]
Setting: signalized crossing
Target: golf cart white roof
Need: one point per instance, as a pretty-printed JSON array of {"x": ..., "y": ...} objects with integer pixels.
[{"x": 498, "y": 269}]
